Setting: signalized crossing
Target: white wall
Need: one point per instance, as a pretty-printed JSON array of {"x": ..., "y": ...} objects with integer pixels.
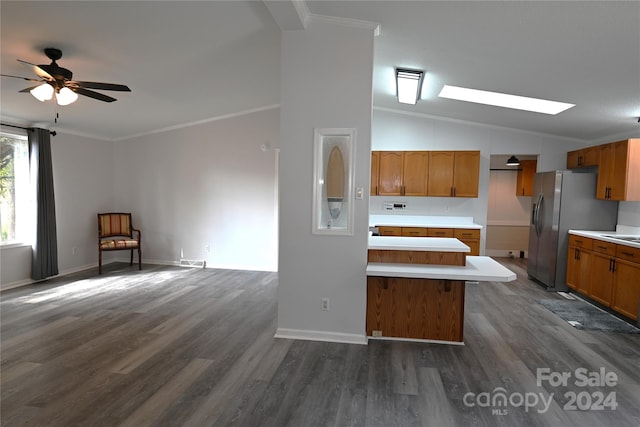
[
  {"x": 629, "y": 214},
  {"x": 83, "y": 185},
  {"x": 507, "y": 216},
  {"x": 208, "y": 184},
  {"x": 394, "y": 130},
  {"x": 326, "y": 83}
]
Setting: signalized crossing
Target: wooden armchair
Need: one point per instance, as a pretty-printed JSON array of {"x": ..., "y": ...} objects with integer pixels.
[{"x": 115, "y": 233}]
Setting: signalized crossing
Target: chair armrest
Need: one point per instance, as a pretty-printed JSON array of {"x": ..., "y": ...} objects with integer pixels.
[{"x": 139, "y": 233}]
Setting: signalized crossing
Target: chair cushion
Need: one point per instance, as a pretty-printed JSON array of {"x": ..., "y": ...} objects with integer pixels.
[{"x": 118, "y": 244}]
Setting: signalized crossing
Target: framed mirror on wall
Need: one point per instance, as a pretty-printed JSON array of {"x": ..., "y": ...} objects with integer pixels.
[{"x": 333, "y": 171}]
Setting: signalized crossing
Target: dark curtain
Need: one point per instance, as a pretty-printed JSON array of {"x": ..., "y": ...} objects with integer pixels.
[{"x": 44, "y": 261}]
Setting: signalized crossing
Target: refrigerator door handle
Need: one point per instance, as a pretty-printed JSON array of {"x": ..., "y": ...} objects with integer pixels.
[{"x": 537, "y": 223}]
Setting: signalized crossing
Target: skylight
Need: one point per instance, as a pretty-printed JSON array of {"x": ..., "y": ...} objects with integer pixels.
[{"x": 504, "y": 100}]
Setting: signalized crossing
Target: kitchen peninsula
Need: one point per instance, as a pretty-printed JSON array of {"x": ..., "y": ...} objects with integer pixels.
[{"x": 416, "y": 285}]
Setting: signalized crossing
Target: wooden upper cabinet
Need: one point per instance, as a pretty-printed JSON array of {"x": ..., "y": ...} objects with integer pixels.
[
  {"x": 425, "y": 173},
  {"x": 453, "y": 173},
  {"x": 466, "y": 173},
  {"x": 440, "y": 181},
  {"x": 390, "y": 172},
  {"x": 584, "y": 157},
  {"x": 619, "y": 171},
  {"x": 375, "y": 172},
  {"x": 415, "y": 171},
  {"x": 527, "y": 170}
]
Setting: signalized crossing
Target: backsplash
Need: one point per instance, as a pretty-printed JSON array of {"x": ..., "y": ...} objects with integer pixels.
[{"x": 629, "y": 214}]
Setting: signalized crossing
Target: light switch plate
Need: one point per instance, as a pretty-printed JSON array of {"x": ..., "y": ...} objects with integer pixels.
[{"x": 359, "y": 193}]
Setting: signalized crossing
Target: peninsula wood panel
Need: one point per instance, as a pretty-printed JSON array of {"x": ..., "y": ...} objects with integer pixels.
[
  {"x": 415, "y": 308},
  {"x": 417, "y": 257}
]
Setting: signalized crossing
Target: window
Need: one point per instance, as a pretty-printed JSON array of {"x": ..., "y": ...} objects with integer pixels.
[{"x": 14, "y": 188}]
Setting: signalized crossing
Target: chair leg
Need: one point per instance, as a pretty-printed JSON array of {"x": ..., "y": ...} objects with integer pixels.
[
  {"x": 131, "y": 260},
  {"x": 99, "y": 261},
  {"x": 139, "y": 258}
]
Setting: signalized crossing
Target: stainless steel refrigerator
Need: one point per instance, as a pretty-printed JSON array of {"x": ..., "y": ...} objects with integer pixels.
[{"x": 563, "y": 200}]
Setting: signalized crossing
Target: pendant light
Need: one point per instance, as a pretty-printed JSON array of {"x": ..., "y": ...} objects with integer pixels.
[{"x": 513, "y": 161}]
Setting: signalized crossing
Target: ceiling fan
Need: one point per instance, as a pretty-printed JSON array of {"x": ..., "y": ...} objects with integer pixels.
[{"x": 55, "y": 79}]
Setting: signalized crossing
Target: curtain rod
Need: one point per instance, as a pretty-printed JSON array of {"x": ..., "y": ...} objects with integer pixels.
[{"x": 52, "y": 132}]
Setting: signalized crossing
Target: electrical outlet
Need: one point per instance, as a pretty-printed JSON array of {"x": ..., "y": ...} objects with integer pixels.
[
  {"x": 325, "y": 304},
  {"x": 207, "y": 248},
  {"x": 376, "y": 333}
]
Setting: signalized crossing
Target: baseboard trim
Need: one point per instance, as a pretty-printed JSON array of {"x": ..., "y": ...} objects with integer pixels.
[
  {"x": 504, "y": 253},
  {"x": 338, "y": 337},
  {"x": 417, "y": 340}
]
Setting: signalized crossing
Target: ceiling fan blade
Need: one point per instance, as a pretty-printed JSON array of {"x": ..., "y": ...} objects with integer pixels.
[
  {"x": 28, "y": 89},
  {"x": 100, "y": 86},
  {"x": 92, "y": 94},
  {"x": 36, "y": 69},
  {"x": 20, "y": 77}
]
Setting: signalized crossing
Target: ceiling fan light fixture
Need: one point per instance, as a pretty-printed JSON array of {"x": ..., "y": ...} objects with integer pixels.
[
  {"x": 513, "y": 161},
  {"x": 66, "y": 96},
  {"x": 42, "y": 93},
  {"x": 409, "y": 85}
]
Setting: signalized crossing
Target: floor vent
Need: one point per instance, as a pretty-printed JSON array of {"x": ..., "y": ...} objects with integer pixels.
[{"x": 198, "y": 263}]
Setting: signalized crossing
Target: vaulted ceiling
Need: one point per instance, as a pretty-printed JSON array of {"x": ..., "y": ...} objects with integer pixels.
[{"x": 188, "y": 62}]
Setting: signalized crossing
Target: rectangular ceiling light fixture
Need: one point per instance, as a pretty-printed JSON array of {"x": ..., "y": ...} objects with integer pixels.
[
  {"x": 408, "y": 85},
  {"x": 503, "y": 100}
]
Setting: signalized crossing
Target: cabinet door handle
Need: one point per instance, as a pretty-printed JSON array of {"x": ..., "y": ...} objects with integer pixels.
[
  {"x": 601, "y": 247},
  {"x": 629, "y": 254},
  {"x": 578, "y": 254}
]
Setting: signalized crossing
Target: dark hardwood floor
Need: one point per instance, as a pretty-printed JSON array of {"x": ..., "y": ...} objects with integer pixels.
[{"x": 169, "y": 346}]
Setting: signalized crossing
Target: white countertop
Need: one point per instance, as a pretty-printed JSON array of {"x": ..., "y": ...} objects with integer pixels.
[
  {"x": 435, "y": 244},
  {"x": 423, "y": 221},
  {"x": 478, "y": 268},
  {"x": 603, "y": 235}
]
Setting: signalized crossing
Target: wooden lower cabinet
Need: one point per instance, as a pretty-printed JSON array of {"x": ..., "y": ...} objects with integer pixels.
[
  {"x": 605, "y": 272},
  {"x": 601, "y": 288},
  {"x": 626, "y": 288},
  {"x": 415, "y": 308},
  {"x": 579, "y": 269},
  {"x": 390, "y": 231},
  {"x": 468, "y": 236}
]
